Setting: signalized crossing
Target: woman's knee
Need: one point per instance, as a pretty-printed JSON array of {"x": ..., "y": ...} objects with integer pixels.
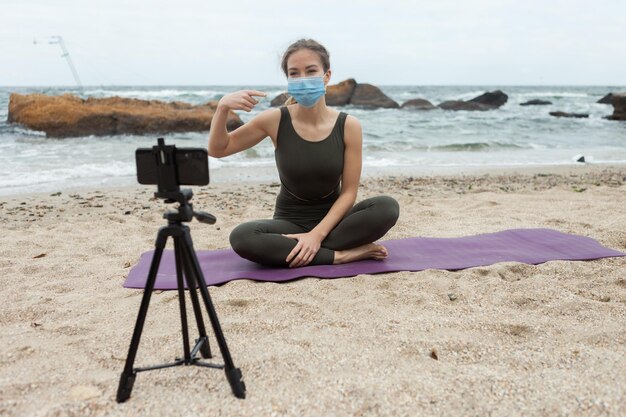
[
  {"x": 242, "y": 237},
  {"x": 388, "y": 208}
]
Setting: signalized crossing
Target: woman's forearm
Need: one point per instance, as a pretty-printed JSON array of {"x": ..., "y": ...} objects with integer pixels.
[
  {"x": 344, "y": 202},
  {"x": 218, "y": 134}
]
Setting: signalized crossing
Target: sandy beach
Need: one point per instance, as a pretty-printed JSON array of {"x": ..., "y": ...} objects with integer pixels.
[{"x": 509, "y": 339}]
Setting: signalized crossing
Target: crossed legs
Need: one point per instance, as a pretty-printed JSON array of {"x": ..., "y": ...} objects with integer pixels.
[{"x": 262, "y": 241}]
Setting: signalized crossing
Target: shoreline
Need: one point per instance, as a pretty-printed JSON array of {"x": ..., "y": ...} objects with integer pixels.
[{"x": 233, "y": 176}]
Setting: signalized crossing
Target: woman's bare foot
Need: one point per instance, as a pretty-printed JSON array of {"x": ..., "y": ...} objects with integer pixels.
[{"x": 368, "y": 251}]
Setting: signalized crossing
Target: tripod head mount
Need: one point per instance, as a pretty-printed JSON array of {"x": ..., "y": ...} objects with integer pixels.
[{"x": 185, "y": 212}]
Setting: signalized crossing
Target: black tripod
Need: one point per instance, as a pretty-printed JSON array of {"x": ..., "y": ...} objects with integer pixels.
[{"x": 186, "y": 261}]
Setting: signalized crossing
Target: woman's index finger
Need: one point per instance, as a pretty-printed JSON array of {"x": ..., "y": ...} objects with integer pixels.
[{"x": 256, "y": 93}]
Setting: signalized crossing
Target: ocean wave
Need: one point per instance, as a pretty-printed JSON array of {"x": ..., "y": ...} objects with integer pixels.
[
  {"x": 465, "y": 95},
  {"x": 81, "y": 171},
  {"x": 252, "y": 153},
  {"x": 379, "y": 147},
  {"x": 402, "y": 147},
  {"x": 155, "y": 93},
  {"x": 220, "y": 163},
  {"x": 383, "y": 162},
  {"x": 553, "y": 94},
  {"x": 474, "y": 146},
  {"x": 20, "y": 130}
]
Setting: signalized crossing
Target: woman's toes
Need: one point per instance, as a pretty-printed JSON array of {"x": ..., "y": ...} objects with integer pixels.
[{"x": 382, "y": 250}]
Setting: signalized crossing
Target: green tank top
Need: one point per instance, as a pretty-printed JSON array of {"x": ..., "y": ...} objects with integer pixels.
[{"x": 309, "y": 171}]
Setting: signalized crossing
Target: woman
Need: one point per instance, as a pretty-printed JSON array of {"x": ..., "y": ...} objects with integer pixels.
[{"x": 318, "y": 154}]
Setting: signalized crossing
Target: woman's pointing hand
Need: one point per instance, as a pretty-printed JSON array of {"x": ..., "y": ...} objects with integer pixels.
[{"x": 241, "y": 100}]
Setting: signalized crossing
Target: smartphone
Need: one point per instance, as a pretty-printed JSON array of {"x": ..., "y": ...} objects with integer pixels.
[{"x": 192, "y": 166}]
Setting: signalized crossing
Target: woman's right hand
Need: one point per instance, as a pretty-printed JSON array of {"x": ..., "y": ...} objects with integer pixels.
[{"x": 241, "y": 100}]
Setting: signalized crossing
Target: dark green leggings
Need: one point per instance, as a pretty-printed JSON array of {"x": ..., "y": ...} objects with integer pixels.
[{"x": 261, "y": 241}]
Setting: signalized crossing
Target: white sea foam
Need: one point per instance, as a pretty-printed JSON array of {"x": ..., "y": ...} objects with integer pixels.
[
  {"x": 167, "y": 93},
  {"x": 552, "y": 94},
  {"x": 64, "y": 174}
]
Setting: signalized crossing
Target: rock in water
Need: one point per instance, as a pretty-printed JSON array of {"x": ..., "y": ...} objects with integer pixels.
[
  {"x": 606, "y": 99},
  {"x": 69, "y": 116},
  {"x": 370, "y": 96},
  {"x": 491, "y": 99},
  {"x": 418, "y": 104},
  {"x": 535, "y": 102},
  {"x": 461, "y": 105},
  {"x": 340, "y": 94},
  {"x": 279, "y": 100},
  {"x": 565, "y": 114},
  {"x": 487, "y": 101},
  {"x": 619, "y": 107}
]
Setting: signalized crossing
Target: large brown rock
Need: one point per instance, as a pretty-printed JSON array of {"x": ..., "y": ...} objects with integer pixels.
[
  {"x": 349, "y": 92},
  {"x": 279, "y": 100},
  {"x": 370, "y": 96},
  {"x": 340, "y": 94},
  {"x": 68, "y": 115},
  {"x": 418, "y": 104},
  {"x": 487, "y": 101},
  {"x": 619, "y": 107}
]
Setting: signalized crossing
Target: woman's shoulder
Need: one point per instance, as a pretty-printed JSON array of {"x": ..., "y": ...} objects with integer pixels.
[
  {"x": 351, "y": 121},
  {"x": 353, "y": 133},
  {"x": 271, "y": 115}
]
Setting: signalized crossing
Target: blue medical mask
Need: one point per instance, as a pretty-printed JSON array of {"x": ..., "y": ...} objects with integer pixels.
[{"x": 306, "y": 90}]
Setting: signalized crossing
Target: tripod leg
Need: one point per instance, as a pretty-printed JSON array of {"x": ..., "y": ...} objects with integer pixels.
[
  {"x": 233, "y": 374},
  {"x": 181, "y": 298},
  {"x": 128, "y": 374},
  {"x": 192, "y": 283}
]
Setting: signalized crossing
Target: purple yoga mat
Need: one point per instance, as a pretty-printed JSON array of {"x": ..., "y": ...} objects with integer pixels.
[{"x": 532, "y": 246}]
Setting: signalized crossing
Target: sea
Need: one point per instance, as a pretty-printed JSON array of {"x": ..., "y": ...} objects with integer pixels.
[{"x": 398, "y": 139}]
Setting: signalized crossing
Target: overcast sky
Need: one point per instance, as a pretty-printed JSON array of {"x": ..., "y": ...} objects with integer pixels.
[{"x": 383, "y": 42}]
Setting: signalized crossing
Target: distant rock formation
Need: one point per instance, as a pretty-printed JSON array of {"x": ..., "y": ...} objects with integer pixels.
[
  {"x": 340, "y": 94},
  {"x": 487, "y": 101},
  {"x": 608, "y": 99},
  {"x": 369, "y": 96},
  {"x": 619, "y": 107},
  {"x": 565, "y": 114},
  {"x": 69, "y": 116},
  {"x": 492, "y": 99},
  {"x": 418, "y": 104},
  {"x": 350, "y": 92},
  {"x": 535, "y": 102},
  {"x": 461, "y": 105}
]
